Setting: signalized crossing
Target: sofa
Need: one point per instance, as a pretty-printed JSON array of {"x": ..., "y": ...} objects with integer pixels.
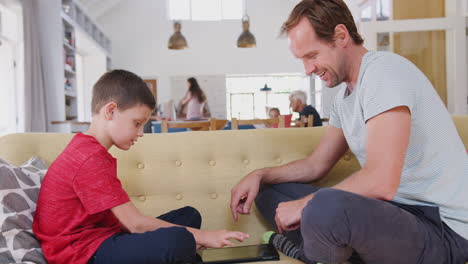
[{"x": 168, "y": 171}]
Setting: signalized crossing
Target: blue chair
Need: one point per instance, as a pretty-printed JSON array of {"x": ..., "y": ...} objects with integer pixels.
[
  {"x": 157, "y": 128},
  {"x": 229, "y": 126}
]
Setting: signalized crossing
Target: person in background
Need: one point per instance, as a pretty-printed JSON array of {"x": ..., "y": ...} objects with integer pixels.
[
  {"x": 298, "y": 103},
  {"x": 194, "y": 104},
  {"x": 273, "y": 112}
]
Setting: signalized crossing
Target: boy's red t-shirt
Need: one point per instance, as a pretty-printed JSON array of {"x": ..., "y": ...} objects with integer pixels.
[{"x": 73, "y": 215}]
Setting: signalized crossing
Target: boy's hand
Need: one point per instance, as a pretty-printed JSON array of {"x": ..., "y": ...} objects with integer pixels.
[{"x": 218, "y": 238}]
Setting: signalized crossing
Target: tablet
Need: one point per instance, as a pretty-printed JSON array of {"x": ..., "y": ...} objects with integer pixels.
[{"x": 264, "y": 252}]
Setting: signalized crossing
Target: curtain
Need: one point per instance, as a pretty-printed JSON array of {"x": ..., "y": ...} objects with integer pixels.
[{"x": 34, "y": 85}]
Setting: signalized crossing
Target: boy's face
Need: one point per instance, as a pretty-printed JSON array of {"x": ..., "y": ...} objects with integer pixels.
[{"x": 127, "y": 126}]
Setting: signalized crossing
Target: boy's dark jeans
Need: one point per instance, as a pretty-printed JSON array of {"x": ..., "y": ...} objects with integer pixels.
[
  {"x": 337, "y": 226},
  {"x": 165, "y": 245}
]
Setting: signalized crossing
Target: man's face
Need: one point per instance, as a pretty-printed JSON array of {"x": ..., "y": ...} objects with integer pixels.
[
  {"x": 323, "y": 59},
  {"x": 127, "y": 125},
  {"x": 295, "y": 104}
]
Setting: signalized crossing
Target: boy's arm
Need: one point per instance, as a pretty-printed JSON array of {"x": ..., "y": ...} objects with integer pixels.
[{"x": 133, "y": 221}]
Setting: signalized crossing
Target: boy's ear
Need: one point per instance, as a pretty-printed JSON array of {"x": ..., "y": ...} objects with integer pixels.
[{"x": 109, "y": 110}]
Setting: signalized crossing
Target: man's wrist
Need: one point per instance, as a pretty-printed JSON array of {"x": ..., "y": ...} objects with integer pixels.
[
  {"x": 259, "y": 175},
  {"x": 306, "y": 199}
]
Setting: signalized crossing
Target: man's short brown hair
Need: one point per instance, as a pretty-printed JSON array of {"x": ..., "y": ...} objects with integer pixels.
[
  {"x": 324, "y": 16},
  {"x": 124, "y": 88}
]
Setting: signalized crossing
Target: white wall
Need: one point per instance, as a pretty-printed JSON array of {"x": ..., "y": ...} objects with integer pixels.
[
  {"x": 139, "y": 31},
  {"x": 91, "y": 65}
]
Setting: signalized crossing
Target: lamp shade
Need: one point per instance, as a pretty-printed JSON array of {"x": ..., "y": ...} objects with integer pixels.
[
  {"x": 265, "y": 88},
  {"x": 246, "y": 39},
  {"x": 177, "y": 40}
]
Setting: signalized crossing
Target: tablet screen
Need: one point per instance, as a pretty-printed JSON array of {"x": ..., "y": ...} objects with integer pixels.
[{"x": 236, "y": 254}]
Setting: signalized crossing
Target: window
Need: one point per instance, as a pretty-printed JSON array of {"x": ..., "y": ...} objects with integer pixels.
[
  {"x": 9, "y": 75},
  {"x": 376, "y": 9},
  {"x": 246, "y": 101},
  {"x": 317, "y": 94},
  {"x": 205, "y": 10},
  {"x": 384, "y": 9}
]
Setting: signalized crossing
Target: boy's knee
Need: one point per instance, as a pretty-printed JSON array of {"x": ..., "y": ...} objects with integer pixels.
[
  {"x": 194, "y": 215},
  {"x": 184, "y": 241}
]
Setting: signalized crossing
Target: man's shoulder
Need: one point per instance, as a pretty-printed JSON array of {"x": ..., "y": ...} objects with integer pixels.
[{"x": 376, "y": 62}]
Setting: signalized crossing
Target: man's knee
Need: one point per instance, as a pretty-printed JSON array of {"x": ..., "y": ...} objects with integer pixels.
[
  {"x": 260, "y": 199},
  {"x": 323, "y": 223},
  {"x": 328, "y": 204}
]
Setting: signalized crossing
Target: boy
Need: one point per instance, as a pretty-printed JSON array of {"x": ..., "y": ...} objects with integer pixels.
[{"x": 83, "y": 214}]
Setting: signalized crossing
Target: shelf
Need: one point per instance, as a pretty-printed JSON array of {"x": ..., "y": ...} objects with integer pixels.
[
  {"x": 91, "y": 29},
  {"x": 68, "y": 70},
  {"x": 67, "y": 19},
  {"x": 70, "y": 94},
  {"x": 68, "y": 46},
  {"x": 70, "y": 122}
]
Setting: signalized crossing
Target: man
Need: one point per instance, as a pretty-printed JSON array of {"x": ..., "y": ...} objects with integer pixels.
[
  {"x": 297, "y": 102},
  {"x": 408, "y": 202}
]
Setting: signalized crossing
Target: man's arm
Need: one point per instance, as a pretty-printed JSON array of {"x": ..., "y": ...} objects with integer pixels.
[
  {"x": 386, "y": 144},
  {"x": 332, "y": 146}
]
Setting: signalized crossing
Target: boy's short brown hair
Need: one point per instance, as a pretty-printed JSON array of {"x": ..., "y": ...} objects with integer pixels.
[
  {"x": 324, "y": 16},
  {"x": 124, "y": 88}
]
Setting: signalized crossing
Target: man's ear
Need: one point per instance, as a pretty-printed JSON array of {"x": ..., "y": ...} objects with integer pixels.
[
  {"x": 109, "y": 110},
  {"x": 341, "y": 35}
]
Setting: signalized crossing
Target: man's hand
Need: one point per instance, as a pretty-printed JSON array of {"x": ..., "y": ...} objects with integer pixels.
[
  {"x": 288, "y": 214},
  {"x": 218, "y": 238},
  {"x": 244, "y": 193}
]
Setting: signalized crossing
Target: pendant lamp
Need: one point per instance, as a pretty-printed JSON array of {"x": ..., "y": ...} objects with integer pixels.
[
  {"x": 177, "y": 40},
  {"x": 246, "y": 39}
]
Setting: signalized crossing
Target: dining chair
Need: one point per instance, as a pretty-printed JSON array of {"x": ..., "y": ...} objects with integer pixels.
[{"x": 235, "y": 123}]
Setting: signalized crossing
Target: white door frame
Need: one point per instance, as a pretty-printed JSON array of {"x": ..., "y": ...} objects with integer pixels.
[{"x": 454, "y": 25}]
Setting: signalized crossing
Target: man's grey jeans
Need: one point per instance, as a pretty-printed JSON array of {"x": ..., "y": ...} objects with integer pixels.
[{"x": 338, "y": 226}]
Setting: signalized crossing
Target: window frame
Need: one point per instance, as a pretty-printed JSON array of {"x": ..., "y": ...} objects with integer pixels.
[{"x": 190, "y": 15}]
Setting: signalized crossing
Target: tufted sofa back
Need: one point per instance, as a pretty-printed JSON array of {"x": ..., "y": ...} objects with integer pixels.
[{"x": 168, "y": 171}]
